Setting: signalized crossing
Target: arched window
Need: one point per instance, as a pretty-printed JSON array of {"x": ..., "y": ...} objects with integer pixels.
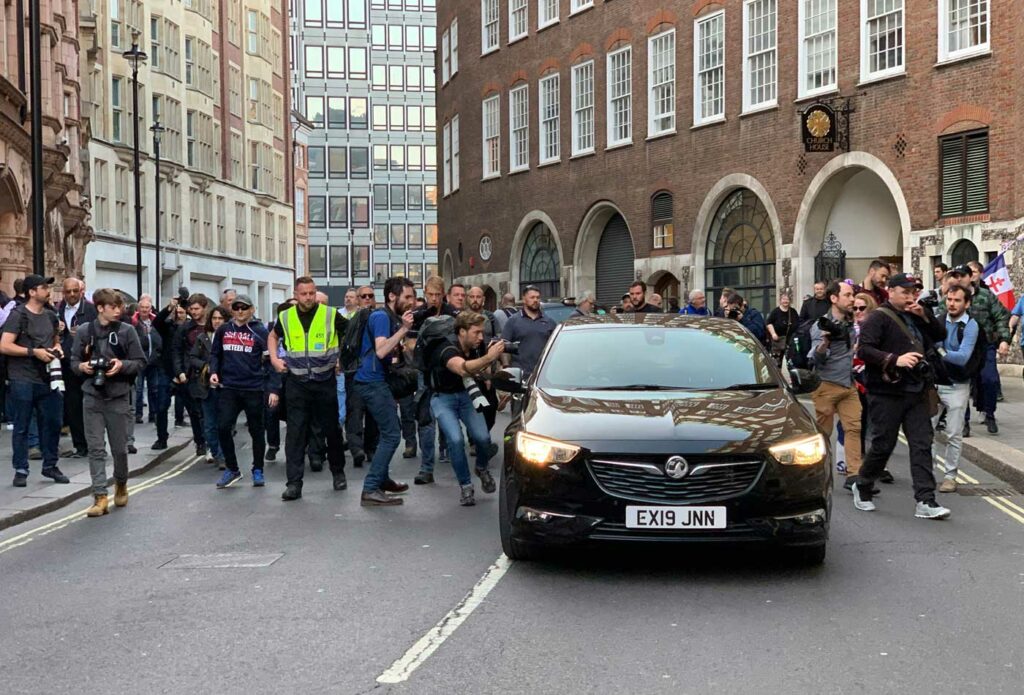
[
  {"x": 741, "y": 251},
  {"x": 540, "y": 264},
  {"x": 964, "y": 252},
  {"x": 661, "y": 220}
]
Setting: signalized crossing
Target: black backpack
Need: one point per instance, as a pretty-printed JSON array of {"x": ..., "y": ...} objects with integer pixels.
[
  {"x": 351, "y": 348},
  {"x": 799, "y": 346},
  {"x": 435, "y": 332},
  {"x": 975, "y": 361}
]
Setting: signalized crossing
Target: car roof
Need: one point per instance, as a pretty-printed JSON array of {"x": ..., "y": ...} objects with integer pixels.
[{"x": 718, "y": 325}]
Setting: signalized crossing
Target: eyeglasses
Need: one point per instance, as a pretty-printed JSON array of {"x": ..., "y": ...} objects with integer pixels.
[
  {"x": 860, "y": 308},
  {"x": 366, "y": 296}
]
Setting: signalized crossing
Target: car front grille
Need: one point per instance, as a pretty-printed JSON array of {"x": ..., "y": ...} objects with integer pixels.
[{"x": 644, "y": 480}]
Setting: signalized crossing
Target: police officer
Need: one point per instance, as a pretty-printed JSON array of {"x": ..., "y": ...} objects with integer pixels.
[{"x": 311, "y": 334}]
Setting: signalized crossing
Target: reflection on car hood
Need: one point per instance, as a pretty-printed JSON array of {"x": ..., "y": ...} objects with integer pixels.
[{"x": 721, "y": 422}]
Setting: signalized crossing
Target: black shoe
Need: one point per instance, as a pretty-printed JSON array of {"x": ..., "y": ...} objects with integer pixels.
[
  {"x": 394, "y": 487},
  {"x": 340, "y": 483},
  {"x": 20, "y": 480},
  {"x": 291, "y": 492},
  {"x": 54, "y": 474},
  {"x": 967, "y": 430},
  {"x": 886, "y": 478},
  {"x": 379, "y": 498},
  {"x": 200, "y": 450},
  {"x": 990, "y": 423},
  {"x": 138, "y": 419},
  {"x": 179, "y": 423},
  {"x": 132, "y": 449},
  {"x": 271, "y": 454},
  {"x": 79, "y": 454},
  {"x": 423, "y": 478},
  {"x": 486, "y": 481},
  {"x": 358, "y": 458},
  {"x": 159, "y": 445},
  {"x": 410, "y": 452},
  {"x": 316, "y": 464}
]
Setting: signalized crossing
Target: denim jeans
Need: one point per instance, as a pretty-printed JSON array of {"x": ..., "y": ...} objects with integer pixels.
[
  {"x": 159, "y": 385},
  {"x": 47, "y": 406},
  {"x": 450, "y": 409},
  {"x": 210, "y": 405},
  {"x": 427, "y": 433},
  {"x": 377, "y": 398},
  {"x": 11, "y": 409},
  {"x": 956, "y": 399},
  {"x": 987, "y": 382}
]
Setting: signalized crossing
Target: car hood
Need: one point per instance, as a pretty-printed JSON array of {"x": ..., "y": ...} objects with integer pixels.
[{"x": 718, "y": 422}]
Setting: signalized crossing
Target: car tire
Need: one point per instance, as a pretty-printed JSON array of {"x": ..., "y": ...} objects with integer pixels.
[
  {"x": 808, "y": 555},
  {"x": 513, "y": 549}
]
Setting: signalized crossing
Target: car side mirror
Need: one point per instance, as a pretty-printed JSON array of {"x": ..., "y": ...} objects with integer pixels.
[
  {"x": 803, "y": 380},
  {"x": 510, "y": 380}
]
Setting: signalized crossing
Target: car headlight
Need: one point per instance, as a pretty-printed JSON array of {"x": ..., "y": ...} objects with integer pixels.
[
  {"x": 800, "y": 452},
  {"x": 543, "y": 451}
]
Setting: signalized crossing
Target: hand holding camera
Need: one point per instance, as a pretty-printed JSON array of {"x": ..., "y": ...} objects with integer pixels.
[{"x": 909, "y": 360}]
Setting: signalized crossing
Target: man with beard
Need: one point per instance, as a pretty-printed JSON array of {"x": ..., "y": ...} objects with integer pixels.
[
  {"x": 72, "y": 313},
  {"x": 638, "y": 299},
  {"x": 359, "y": 425},
  {"x": 475, "y": 298},
  {"x": 875, "y": 281}
]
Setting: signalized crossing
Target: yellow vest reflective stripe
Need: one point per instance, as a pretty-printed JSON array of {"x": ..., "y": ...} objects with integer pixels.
[{"x": 313, "y": 354}]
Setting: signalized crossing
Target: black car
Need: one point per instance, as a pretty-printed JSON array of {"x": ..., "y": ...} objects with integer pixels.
[{"x": 662, "y": 428}]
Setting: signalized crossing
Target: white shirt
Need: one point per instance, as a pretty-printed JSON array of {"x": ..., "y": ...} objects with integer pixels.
[{"x": 70, "y": 312}]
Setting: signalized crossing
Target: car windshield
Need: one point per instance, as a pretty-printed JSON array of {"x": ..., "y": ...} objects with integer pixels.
[
  {"x": 652, "y": 358},
  {"x": 559, "y": 312}
]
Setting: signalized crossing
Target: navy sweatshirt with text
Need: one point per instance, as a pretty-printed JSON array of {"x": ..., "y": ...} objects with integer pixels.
[{"x": 239, "y": 356}]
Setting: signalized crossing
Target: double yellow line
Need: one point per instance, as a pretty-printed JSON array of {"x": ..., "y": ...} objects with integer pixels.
[{"x": 29, "y": 536}]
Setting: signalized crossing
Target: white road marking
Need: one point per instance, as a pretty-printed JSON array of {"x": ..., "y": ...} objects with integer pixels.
[{"x": 428, "y": 644}]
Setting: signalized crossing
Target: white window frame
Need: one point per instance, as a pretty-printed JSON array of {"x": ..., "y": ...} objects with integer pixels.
[
  {"x": 802, "y": 90},
  {"x": 667, "y": 84},
  {"x": 577, "y": 6},
  {"x": 456, "y": 173},
  {"x": 454, "y": 47},
  {"x": 699, "y": 118},
  {"x": 749, "y": 105},
  {"x": 582, "y": 106},
  {"x": 543, "y": 7},
  {"x": 446, "y": 58},
  {"x": 626, "y": 98},
  {"x": 519, "y": 128},
  {"x": 491, "y": 137},
  {"x": 866, "y": 75},
  {"x": 518, "y": 10},
  {"x": 446, "y": 148},
  {"x": 946, "y": 55},
  {"x": 490, "y": 26},
  {"x": 549, "y": 118}
]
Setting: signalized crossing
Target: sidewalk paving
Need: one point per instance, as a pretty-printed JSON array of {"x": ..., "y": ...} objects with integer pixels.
[{"x": 41, "y": 496}]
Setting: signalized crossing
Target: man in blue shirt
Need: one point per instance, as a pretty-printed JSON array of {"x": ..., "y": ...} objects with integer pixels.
[
  {"x": 1015, "y": 318},
  {"x": 955, "y": 395},
  {"x": 698, "y": 305}
]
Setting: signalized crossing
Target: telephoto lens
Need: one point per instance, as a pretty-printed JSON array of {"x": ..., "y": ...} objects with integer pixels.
[
  {"x": 56, "y": 375},
  {"x": 478, "y": 399}
]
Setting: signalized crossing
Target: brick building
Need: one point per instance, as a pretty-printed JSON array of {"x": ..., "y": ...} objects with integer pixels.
[{"x": 590, "y": 142}]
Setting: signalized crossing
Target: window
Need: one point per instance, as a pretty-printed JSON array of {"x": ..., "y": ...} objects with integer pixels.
[
  {"x": 380, "y": 157},
  {"x": 429, "y": 118},
  {"x": 317, "y": 164},
  {"x": 516, "y": 20},
  {"x": 117, "y": 109},
  {"x": 395, "y": 37},
  {"x": 416, "y": 273},
  {"x": 882, "y": 43},
  {"x": 154, "y": 42},
  {"x": 709, "y": 69},
  {"x": 413, "y": 118},
  {"x": 356, "y": 14},
  {"x": 963, "y": 28},
  {"x": 398, "y": 236},
  {"x": 963, "y": 182},
  {"x": 397, "y": 154},
  {"x": 583, "y": 108},
  {"x": 336, "y": 113},
  {"x": 661, "y": 220},
  {"x": 335, "y": 61},
  {"x": 357, "y": 107},
  {"x": 380, "y": 236},
  {"x": 339, "y": 257},
  {"x": 317, "y": 211},
  {"x": 414, "y": 158},
  {"x": 314, "y": 13},
  {"x": 817, "y": 48},
  {"x": 315, "y": 110},
  {"x": 380, "y": 117},
  {"x": 338, "y": 205},
  {"x": 396, "y": 76},
  {"x": 357, "y": 63},
  {"x": 412, "y": 78},
  {"x": 455, "y": 46},
  {"x": 360, "y": 162},
  {"x": 491, "y": 25},
  {"x": 430, "y": 157},
  {"x": 300, "y": 205},
  {"x": 550, "y": 119},
  {"x": 429, "y": 78},
  {"x": 620, "y": 97},
  {"x": 335, "y": 14},
  {"x": 491, "y": 137},
  {"x": 446, "y": 146},
  {"x": 415, "y": 197},
  {"x": 361, "y": 261},
  {"x": 380, "y": 271},
  {"x": 361, "y": 212},
  {"x": 431, "y": 236},
  {"x": 455, "y": 154},
  {"x": 190, "y": 134},
  {"x": 580, "y": 5},
  {"x": 378, "y": 37},
  {"x": 661, "y": 83},
  {"x": 430, "y": 197},
  {"x": 379, "y": 78},
  {"x": 318, "y": 261},
  {"x": 412, "y": 38},
  {"x": 415, "y": 238},
  {"x": 396, "y": 118},
  {"x": 189, "y": 60},
  {"x": 337, "y": 162},
  {"x": 446, "y": 57},
  {"x": 547, "y": 13},
  {"x": 429, "y": 38},
  {"x": 519, "y": 128},
  {"x": 760, "y": 53},
  {"x": 252, "y": 32},
  {"x": 115, "y": 23},
  {"x": 314, "y": 60},
  {"x": 380, "y": 196}
]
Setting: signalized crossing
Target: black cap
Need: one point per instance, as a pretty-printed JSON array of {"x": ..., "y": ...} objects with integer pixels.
[
  {"x": 906, "y": 281},
  {"x": 961, "y": 270},
  {"x": 33, "y": 281}
]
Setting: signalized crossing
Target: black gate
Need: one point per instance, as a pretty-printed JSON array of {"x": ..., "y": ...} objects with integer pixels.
[{"x": 830, "y": 263}]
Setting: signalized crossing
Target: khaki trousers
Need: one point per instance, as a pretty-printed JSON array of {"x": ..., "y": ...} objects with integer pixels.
[{"x": 831, "y": 399}]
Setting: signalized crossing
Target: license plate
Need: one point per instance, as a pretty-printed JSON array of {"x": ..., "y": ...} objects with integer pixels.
[{"x": 675, "y": 517}]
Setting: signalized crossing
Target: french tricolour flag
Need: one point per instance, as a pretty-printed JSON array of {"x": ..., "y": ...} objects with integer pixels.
[{"x": 998, "y": 280}]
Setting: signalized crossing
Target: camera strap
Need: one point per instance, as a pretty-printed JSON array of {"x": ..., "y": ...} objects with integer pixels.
[{"x": 917, "y": 345}]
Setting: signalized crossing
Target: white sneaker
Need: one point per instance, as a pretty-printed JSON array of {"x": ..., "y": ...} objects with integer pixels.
[
  {"x": 931, "y": 510},
  {"x": 861, "y": 504},
  {"x": 209, "y": 457}
]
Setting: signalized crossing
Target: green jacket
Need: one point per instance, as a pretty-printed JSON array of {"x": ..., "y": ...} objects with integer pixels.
[{"x": 991, "y": 315}]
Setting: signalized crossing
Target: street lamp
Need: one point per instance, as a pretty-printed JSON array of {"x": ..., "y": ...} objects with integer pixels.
[
  {"x": 135, "y": 55},
  {"x": 157, "y": 129},
  {"x": 36, "y": 90}
]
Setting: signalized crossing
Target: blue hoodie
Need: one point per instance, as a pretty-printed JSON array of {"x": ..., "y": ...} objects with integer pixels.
[{"x": 239, "y": 356}]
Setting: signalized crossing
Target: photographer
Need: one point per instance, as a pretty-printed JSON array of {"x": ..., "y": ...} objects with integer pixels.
[
  {"x": 453, "y": 372},
  {"x": 900, "y": 383},
  {"x": 108, "y": 354},
  {"x": 165, "y": 325},
  {"x": 190, "y": 351},
  {"x": 962, "y": 341},
  {"x": 832, "y": 358},
  {"x": 752, "y": 319}
]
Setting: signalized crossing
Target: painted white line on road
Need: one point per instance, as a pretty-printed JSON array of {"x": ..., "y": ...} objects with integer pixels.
[{"x": 428, "y": 644}]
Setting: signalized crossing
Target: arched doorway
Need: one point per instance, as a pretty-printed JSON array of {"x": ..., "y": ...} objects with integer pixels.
[
  {"x": 614, "y": 261},
  {"x": 740, "y": 251},
  {"x": 490, "y": 298},
  {"x": 448, "y": 268},
  {"x": 667, "y": 285},
  {"x": 962, "y": 253},
  {"x": 540, "y": 264}
]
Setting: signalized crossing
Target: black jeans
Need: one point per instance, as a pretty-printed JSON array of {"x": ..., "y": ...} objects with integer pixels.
[
  {"x": 887, "y": 414},
  {"x": 195, "y": 414},
  {"x": 273, "y": 422},
  {"x": 360, "y": 426},
  {"x": 74, "y": 417},
  {"x": 306, "y": 401},
  {"x": 232, "y": 402}
]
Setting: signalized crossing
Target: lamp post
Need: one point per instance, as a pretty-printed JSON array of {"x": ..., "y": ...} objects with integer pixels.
[
  {"x": 157, "y": 129},
  {"x": 135, "y": 55},
  {"x": 36, "y": 93}
]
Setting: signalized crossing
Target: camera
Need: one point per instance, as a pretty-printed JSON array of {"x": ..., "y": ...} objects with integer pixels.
[
  {"x": 475, "y": 395},
  {"x": 100, "y": 365},
  {"x": 510, "y": 347},
  {"x": 733, "y": 313},
  {"x": 929, "y": 300},
  {"x": 183, "y": 296},
  {"x": 923, "y": 370},
  {"x": 56, "y": 373},
  {"x": 835, "y": 330}
]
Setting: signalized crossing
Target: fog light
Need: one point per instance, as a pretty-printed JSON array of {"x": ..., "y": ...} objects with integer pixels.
[
  {"x": 538, "y": 516},
  {"x": 815, "y": 518}
]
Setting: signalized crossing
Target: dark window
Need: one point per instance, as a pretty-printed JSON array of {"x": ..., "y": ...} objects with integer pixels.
[
  {"x": 661, "y": 220},
  {"x": 361, "y": 212},
  {"x": 741, "y": 251},
  {"x": 318, "y": 261},
  {"x": 317, "y": 165},
  {"x": 415, "y": 199},
  {"x": 361, "y": 261},
  {"x": 380, "y": 272},
  {"x": 963, "y": 186},
  {"x": 398, "y": 236},
  {"x": 337, "y": 114},
  {"x": 415, "y": 236},
  {"x": 380, "y": 236},
  {"x": 339, "y": 211},
  {"x": 317, "y": 211},
  {"x": 339, "y": 261},
  {"x": 337, "y": 162},
  {"x": 397, "y": 197},
  {"x": 360, "y": 162},
  {"x": 380, "y": 196}
]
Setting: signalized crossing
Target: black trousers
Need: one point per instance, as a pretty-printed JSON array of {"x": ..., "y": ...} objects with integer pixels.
[
  {"x": 195, "y": 414},
  {"x": 306, "y": 401},
  {"x": 887, "y": 414},
  {"x": 360, "y": 426},
  {"x": 232, "y": 402},
  {"x": 73, "y": 415},
  {"x": 491, "y": 411}
]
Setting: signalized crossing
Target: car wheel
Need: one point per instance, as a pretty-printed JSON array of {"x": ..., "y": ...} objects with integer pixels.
[
  {"x": 807, "y": 556},
  {"x": 513, "y": 549}
]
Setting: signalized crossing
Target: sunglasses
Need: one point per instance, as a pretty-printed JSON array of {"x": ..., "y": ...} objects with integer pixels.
[
  {"x": 860, "y": 308},
  {"x": 239, "y": 307},
  {"x": 366, "y": 296}
]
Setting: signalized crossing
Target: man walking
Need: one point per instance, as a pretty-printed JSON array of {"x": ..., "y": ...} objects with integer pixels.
[
  {"x": 310, "y": 333},
  {"x": 351, "y": 303},
  {"x": 962, "y": 334},
  {"x": 875, "y": 281},
  {"x": 892, "y": 340},
  {"x": 109, "y": 348},
  {"x": 30, "y": 342},
  {"x": 72, "y": 312},
  {"x": 189, "y": 358},
  {"x": 994, "y": 320},
  {"x": 362, "y": 431},
  {"x": 817, "y": 304},
  {"x": 475, "y": 299}
]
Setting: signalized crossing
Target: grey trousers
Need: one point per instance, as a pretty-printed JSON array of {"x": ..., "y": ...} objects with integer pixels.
[{"x": 107, "y": 419}]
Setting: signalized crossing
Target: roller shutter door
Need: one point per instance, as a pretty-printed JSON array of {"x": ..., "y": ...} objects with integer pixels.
[{"x": 614, "y": 262}]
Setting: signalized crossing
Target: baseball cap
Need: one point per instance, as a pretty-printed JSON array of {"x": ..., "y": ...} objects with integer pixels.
[
  {"x": 906, "y": 281},
  {"x": 961, "y": 270},
  {"x": 33, "y": 281},
  {"x": 242, "y": 299}
]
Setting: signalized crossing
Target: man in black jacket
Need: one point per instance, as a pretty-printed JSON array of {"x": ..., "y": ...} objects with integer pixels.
[
  {"x": 189, "y": 357},
  {"x": 900, "y": 379},
  {"x": 72, "y": 312},
  {"x": 817, "y": 305}
]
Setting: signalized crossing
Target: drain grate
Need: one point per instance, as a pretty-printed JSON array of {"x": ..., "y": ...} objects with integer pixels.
[
  {"x": 984, "y": 491},
  {"x": 218, "y": 561}
]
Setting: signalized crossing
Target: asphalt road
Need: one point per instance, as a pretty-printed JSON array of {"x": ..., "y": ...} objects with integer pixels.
[{"x": 901, "y": 605}]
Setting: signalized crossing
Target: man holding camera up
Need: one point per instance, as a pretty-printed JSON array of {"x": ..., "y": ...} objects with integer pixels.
[
  {"x": 453, "y": 372},
  {"x": 108, "y": 354},
  {"x": 832, "y": 358},
  {"x": 900, "y": 383}
]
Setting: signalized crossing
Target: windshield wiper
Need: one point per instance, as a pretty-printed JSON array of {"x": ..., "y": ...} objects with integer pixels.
[
  {"x": 641, "y": 387},
  {"x": 749, "y": 387}
]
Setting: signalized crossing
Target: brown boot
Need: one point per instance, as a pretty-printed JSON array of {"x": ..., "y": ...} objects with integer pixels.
[
  {"x": 99, "y": 506},
  {"x": 120, "y": 494}
]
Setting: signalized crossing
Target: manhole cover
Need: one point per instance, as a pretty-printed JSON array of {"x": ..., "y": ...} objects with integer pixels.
[
  {"x": 983, "y": 491},
  {"x": 219, "y": 561}
]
